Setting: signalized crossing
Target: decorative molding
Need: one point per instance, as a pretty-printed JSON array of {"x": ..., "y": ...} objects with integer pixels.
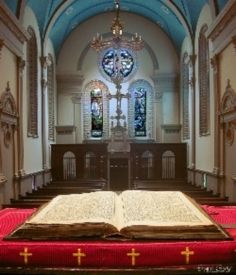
[
  {"x": 8, "y": 115},
  {"x": 76, "y": 99},
  {"x": 70, "y": 83},
  {"x": 185, "y": 82},
  {"x": 45, "y": 62},
  {"x": 65, "y": 129},
  {"x": 171, "y": 128},
  {"x": 228, "y": 113},
  {"x": 233, "y": 177},
  {"x": 1, "y": 46},
  {"x": 21, "y": 64},
  {"x": 51, "y": 98},
  {"x": 32, "y": 58},
  {"x": 12, "y": 32},
  {"x": 228, "y": 102},
  {"x": 3, "y": 179},
  {"x": 212, "y": 174},
  {"x": 234, "y": 42},
  {"x": 204, "y": 82},
  {"x": 44, "y": 83},
  {"x": 192, "y": 58},
  {"x": 223, "y": 21},
  {"x": 214, "y": 63}
]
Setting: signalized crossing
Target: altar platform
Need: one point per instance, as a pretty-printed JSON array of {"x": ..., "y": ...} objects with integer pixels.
[{"x": 118, "y": 257}]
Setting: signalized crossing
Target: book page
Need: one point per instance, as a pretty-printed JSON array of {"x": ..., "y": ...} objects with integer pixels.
[
  {"x": 94, "y": 207},
  {"x": 163, "y": 208}
]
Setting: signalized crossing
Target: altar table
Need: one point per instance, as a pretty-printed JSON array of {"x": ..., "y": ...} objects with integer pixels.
[{"x": 150, "y": 257}]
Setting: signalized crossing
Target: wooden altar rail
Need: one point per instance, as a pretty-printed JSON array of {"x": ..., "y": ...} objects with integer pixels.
[{"x": 152, "y": 161}]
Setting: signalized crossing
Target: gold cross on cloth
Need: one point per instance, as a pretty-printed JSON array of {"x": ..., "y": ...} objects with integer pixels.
[
  {"x": 79, "y": 255},
  {"x": 187, "y": 253},
  {"x": 25, "y": 254},
  {"x": 133, "y": 256}
]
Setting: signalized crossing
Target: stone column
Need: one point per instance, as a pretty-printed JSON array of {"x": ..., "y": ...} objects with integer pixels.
[
  {"x": 158, "y": 112},
  {"x": 234, "y": 42},
  {"x": 3, "y": 178},
  {"x": 45, "y": 62},
  {"x": 166, "y": 90},
  {"x": 193, "y": 103},
  {"x": 215, "y": 67},
  {"x": 71, "y": 85},
  {"x": 77, "y": 113},
  {"x": 1, "y": 46},
  {"x": 20, "y": 140}
]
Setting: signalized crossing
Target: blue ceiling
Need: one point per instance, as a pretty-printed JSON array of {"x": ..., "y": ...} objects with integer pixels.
[{"x": 66, "y": 15}]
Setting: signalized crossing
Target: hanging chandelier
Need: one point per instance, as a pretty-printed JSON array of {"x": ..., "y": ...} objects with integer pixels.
[{"x": 117, "y": 40}]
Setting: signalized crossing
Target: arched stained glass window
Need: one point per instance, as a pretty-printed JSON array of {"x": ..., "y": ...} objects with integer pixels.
[
  {"x": 96, "y": 112},
  {"x": 204, "y": 84},
  {"x": 32, "y": 57},
  {"x": 140, "y": 109},
  {"x": 140, "y": 112}
]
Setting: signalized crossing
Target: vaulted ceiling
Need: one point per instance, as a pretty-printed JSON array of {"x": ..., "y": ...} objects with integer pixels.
[{"x": 57, "y": 18}]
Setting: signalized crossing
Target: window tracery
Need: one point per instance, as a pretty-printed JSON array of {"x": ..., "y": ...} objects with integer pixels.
[{"x": 117, "y": 61}]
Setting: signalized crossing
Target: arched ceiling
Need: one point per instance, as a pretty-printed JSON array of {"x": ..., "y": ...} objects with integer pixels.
[{"x": 57, "y": 18}]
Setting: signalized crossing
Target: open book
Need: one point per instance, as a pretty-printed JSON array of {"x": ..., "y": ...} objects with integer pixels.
[{"x": 130, "y": 214}]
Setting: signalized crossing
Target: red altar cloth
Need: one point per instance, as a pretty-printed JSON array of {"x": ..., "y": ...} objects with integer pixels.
[{"x": 116, "y": 254}]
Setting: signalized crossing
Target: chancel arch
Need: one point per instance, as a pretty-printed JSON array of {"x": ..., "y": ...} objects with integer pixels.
[
  {"x": 95, "y": 110},
  {"x": 140, "y": 110}
]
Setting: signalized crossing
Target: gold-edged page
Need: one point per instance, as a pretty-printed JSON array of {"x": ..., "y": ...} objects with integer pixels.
[{"x": 94, "y": 207}]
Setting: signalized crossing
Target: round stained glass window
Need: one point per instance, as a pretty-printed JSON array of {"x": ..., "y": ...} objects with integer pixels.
[{"x": 117, "y": 61}]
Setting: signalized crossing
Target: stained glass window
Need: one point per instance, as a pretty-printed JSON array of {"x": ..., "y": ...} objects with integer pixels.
[
  {"x": 96, "y": 112},
  {"x": 117, "y": 61},
  {"x": 140, "y": 112}
]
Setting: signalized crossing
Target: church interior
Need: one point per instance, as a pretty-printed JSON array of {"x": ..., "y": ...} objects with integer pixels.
[{"x": 117, "y": 95}]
